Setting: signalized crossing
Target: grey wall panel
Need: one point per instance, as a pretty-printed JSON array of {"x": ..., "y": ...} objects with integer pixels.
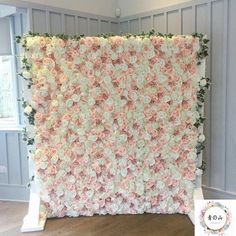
[
  {"x": 55, "y": 23},
  {"x": 203, "y": 25},
  {"x": 105, "y": 26},
  {"x": 14, "y": 164},
  {"x": 19, "y": 27},
  {"x": 13, "y": 157},
  {"x": 202, "y": 18},
  {"x": 173, "y": 22},
  {"x": 210, "y": 17},
  {"x": 3, "y": 159},
  {"x": 218, "y": 98},
  {"x": 146, "y": 24},
  {"x": 82, "y": 25},
  {"x": 94, "y": 28},
  {"x": 70, "y": 25},
  {"x": 124, "y": 27},
  {"x": 187, "y": 20},
  {"x": 39, "y": 21},
  {"x": 115, "y": 27},
  {"x": 231, "y": 103},
  {"x": 23, "y": 161},
  {"x": 159, "y": 23},
  {"x": 134, "y": 26}
]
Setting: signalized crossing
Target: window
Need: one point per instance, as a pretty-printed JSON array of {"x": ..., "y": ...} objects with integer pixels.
[{"x": 8, "y": 101}]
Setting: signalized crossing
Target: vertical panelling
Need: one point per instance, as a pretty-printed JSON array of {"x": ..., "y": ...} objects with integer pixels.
[
  {"x": 55, "y": 23},
  {"x": 159, "y": 23},
  {"x": 18, "y": 29},
  {"x": 3, "y": 159},
  {"x": 173, "y": 22},
  {"x": 93, "y": 25},
  {"x": 23, "y": 161},
  {"x": 187, "y": 20},
  {"x": 201, "y": 18},
  {"x": 82, "y": 26},
  {"x": 134, "y": 26},
  {"x": 231, "y": 102},
  {"x": 203, "y": 25},
  {"x": 115, "y": 27},
  {"x": 13, "y": 158},
  {"x": 210, "y": 17},
  {"x": 14, "y": 164},
  {"x": 146, "y": 24},
  {"x": 105, "y": 27},
  {"x": 218, "y": 98},
  {"x": 124, "y": 27},
  {"x": 39, "y": 21},
  {"x": 70, "y": 25}
]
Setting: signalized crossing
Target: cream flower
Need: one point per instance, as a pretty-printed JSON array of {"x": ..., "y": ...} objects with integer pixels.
[
  {"x": 201, "y": 138},
  {"x": 26, "y": 74},
  {"x": 28, "y": 109},
  {"x": 203, "y": 82}
]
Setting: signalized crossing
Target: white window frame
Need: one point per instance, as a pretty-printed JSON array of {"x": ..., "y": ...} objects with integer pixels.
[{"x": 12, "y": 124}]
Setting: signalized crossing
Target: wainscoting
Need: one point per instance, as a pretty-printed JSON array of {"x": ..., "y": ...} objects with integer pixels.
[
  {"x": 14, "y": 178},
  {"x": 212, "y": 17}
]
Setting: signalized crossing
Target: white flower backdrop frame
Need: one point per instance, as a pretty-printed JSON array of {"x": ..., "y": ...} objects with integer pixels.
[{"x": 133, "y": 109}]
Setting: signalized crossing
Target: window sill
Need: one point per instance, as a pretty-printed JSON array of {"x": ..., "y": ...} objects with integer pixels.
[
  {"x": 10, "y": 125},
  {"x": 11, "y": 128}
]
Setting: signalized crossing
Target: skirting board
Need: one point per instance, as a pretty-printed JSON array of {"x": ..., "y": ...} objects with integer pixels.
[
  {"x": 12, "y": 192},
  {"x": 214, "y": 193}
]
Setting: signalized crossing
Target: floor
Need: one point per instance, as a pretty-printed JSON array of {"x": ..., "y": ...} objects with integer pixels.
[{"x": 12, "y": 213}]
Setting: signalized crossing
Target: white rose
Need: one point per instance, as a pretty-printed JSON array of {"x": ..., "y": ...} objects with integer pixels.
[
  {"x": 26, "y": 74},
  {"x": 146, "y": 176},
  {"x": 199, "y": 171},
  {"x": 162, "y": 115},
  {"x": 91, "y": 101},
  {"x": 82, "y": 49},
  {"x": 114, "y": 56},
  {"x": 107, "y": 79},
  {"x": 123, "y": 172},
  {"x": 162, "y": 78},
  {"x": 54, "y": 103},
  {"x": 54, "y": 159},
  {"x": 201, "y": 138},
  {"x": 140, "y": 188},
  {"x": 44, "y": 92},
  {"x": 133, "y": 59},
  {"x": 160, "y": 184},
  {"x": 75, "y": 98},
  {"x": 192, "y": 155},
  {"x": 150, "y": 54},
  {"x": 203, "y": 82},
  {"x": 28, "y": 109},
  {"x": 69, "y": 103}
]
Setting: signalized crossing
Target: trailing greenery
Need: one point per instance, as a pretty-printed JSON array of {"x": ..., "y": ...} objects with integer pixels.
[
  {"x": 201, "y": 55},
  {"x": 203, "y": 52},
  {"x": 30, "y": 115},
  {"x": 28, "y": 140},
  {"x": 30, "y": 181}
]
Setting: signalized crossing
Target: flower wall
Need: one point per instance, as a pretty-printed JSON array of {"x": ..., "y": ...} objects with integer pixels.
[{"x": 115, "y": 122}]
